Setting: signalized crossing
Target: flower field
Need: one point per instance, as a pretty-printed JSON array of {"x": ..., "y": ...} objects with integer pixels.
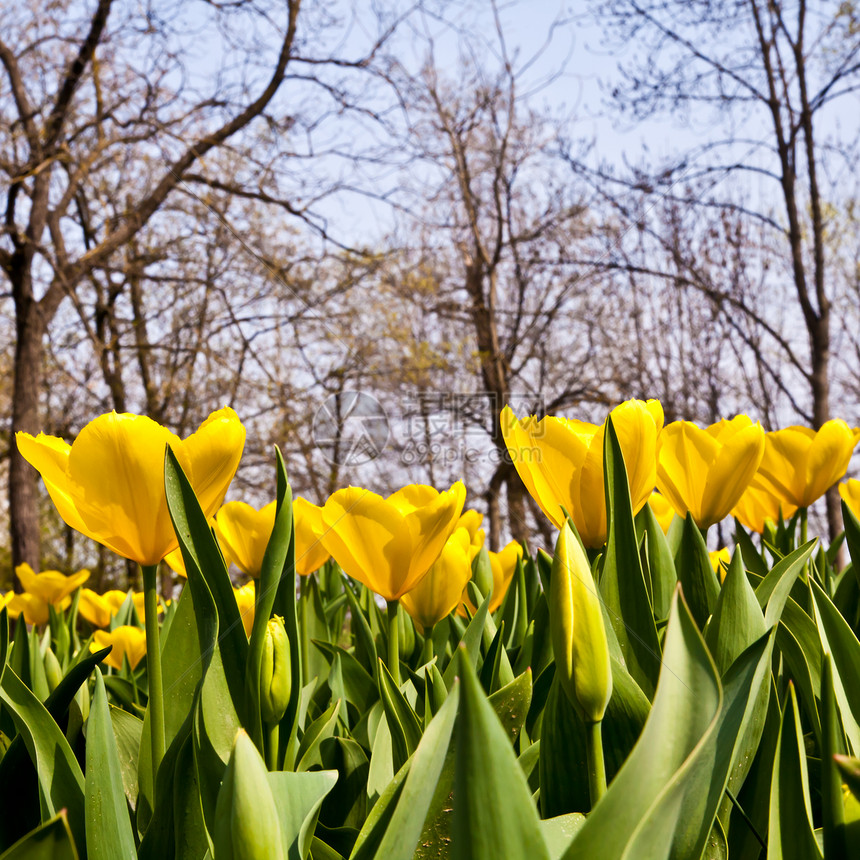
[{"x": 377, "y": 683}]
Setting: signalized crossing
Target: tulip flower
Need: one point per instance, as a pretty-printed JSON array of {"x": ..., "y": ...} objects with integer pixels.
[
  {"x": 439, "y": 592},
  {"x": 245, "y": 600},
  {"x": 109, "y": 484},
  {"x": 662, "y": 510},
  {"x": 98, "y": 609},
  {"x": 706, "y": 471},
  {"x": 561, "y": 462},
  {"x": 244, "y": 532},
  {"x": 800, "y": 464},
  {"x": 390, "y": 544},
  {"x": 311, "y": 553},
  {"x": 760, "y": 503},
  {"x": 717, "y": 557},
  {"x": 503, "y": 565},
  {"x": 33, "y": 608},
  {"x": 126, "y": 641},
  {"x": 850, "y": 493},
  {"x": 471, "y": 521},
  {"x": 51, "y": 586}
]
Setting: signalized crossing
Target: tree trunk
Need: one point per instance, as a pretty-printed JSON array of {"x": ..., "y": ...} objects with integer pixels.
[{"x": 23, "y": 489}]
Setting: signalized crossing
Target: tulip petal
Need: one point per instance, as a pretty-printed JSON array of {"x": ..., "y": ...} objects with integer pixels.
[
  {"x": 731, "y": 473},
  {"x": 637, "y": 425},
  {"x": 311, "y": 553},
  {"x": 684, "y": 455},
  {"x": 49, "y": 455},
  {"x": 783, "y": 466},
  {"x": 361, "y": 527},
  {"x": 504, "y": 565},
  {"x": 828, "y": 459},
  {"x": 244, "y": 532},
  {"x": 116, "y": 469},
  {"x": 214, "y": 452},
  {"x": 430, "y": 526}
]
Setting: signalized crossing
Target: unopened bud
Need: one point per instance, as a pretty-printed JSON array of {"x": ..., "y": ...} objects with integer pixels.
[
  {"x": 275, "y": 672},
  {"x": 576, "y": 628},
  {"x": 482, "y": 572},
  {"x": 53, "y": 672}
]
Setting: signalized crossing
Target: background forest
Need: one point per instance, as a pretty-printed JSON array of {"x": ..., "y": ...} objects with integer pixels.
[{"x": 442, "y": 206}]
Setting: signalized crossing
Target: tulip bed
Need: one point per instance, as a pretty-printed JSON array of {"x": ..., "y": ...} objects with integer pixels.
[{"x": 385, "y": 687}]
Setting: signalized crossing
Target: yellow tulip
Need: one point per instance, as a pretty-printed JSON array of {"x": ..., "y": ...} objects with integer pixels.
[
  {"x": 717, "y": 557},
  {"x": 311, "y": 553},
  {"x": 439, "y": 592},
  {"x": 245, "y": 597},
  {"x": 176, "y": 562},
  {"x": 34, "y": 608},
  {"x": 98, "y": 609},
  {"x": 705, "y": 471},
  {"x": 50, "y": 586},
  {"x": 800, "y": 464},
  {"x": 244, "y": 532},
  {"x": 471, "y": 521},
  {"x": 561, "y": 462},
  {"x": 850, "y": 492},
  {"x": 662, "y": 510},
  {"x": 109, "y": 484},
  {"x": 126, "y": 641},
  {"x": 759, "y": 503},
  {"x": 503, "y": 565},
  {"x": 390, "y": 544}
]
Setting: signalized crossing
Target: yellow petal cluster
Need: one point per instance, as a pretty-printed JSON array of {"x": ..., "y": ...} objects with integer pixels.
[
  {"x": 705, "y": 471},
  {"x": 244, "y": 532},
  {"x": 800, "y": 464},
  {"x": 438, "y": 593},
  {"x": 760, "y": 503},
  {"x": 245, "y": 597},
  {"x": 390, "y": 544},
  {"x": 50, "y": 586},
  {"x": 662, "y": 510},
  {"x": 124, "y": 641},
  {"x": 109, "y": 484},
  {"x": 311, "y": 553},
  {"x": 560, "y": 462},
  {"x": 98, "y": 609}
]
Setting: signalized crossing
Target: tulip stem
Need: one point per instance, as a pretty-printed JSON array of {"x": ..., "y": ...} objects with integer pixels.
[
  {"x": 272, "y": 742},
  {"x": 594, "y": 759},
  {"x": 393, "y": 642},
  {"x": 153, "y": 666},
  {"x": 427, "y": 652},
  {"x": 305, "y": 639}
]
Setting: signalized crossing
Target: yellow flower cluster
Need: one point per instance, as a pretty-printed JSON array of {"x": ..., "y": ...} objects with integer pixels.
[
  {"x": 415, "y": 546},
  {"x": 731, "y": 467}
]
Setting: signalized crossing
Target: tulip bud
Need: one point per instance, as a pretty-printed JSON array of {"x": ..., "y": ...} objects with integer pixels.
[
  {"x": 275, "y": 672},
  {"x": 482, "y": 572},
  {"x": 577, "y": 631},
  {"x": 53, "y": 672},
  {"x": 246, "y": 816}
]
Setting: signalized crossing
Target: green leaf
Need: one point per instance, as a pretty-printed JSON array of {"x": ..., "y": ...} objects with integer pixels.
[
  {"x": 774, "y": 590},
  {"x": 365, "y": 645},
  {"x": 205, "y": 566},
  {"x": 641, "y": 811},
  {"x": 108, "y": 827},
  {"x": 622, "y": 581},
  {"x": 50, "y": 841},
  {"x": 322, "y": 728},
  {"x": 471, "y": 641},
  {"x": 357, "y": 685},
  {"x": 61, "y": 783},
  {"x": 832, "y": 806},
  {"x": 737, "y": 620},
  {"x": 696, "y": 573},
  {"x": 403, "y": 722},
  {"x": 559, "y": 832},
  {"x": 511, "y": 703},
  {"x": 298, "y": 797},
  {"x": 839, "y": 640},
  {"x": 415, "y": 802},
  {"x": 661, "y": 564},
  {"x": 494, "y": 815},
  {"x": 790, "y": 833},
  {"x": 127, "y": 730}
]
